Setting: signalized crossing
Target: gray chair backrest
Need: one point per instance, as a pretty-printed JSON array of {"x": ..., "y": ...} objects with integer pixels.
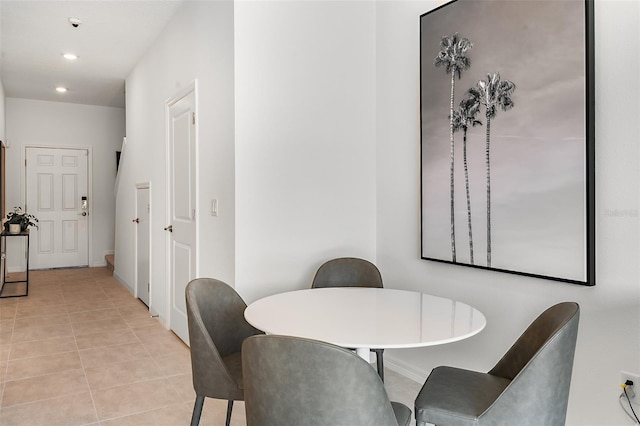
[
  {"x": 217, "y": 328},
  {"x": 347, "y": 272},
  {"x": 539, "y": 365},
  {"x": 296, "y": 381}
]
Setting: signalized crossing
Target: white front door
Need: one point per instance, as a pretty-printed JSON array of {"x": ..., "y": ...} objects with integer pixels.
[
  {"x": 182, "y": 206},
  {"x": 142, "y": 243},
  {"x": 57, "y": 194}
]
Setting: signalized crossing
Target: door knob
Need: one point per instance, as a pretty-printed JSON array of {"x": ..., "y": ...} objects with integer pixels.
[
  {"x": 169, "y": 228},
  {"x": 136, "y": 220}
]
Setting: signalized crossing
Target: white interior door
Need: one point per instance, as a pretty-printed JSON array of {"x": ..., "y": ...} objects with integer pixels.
[
  {"x": 182, "y": 207},
  {"x": 57, "y": 181},
  {"x": 143, "y": 209}
]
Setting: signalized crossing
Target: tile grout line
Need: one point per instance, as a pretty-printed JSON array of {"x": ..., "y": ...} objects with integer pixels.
[
  {"x": 110, "y": 294},
  {"x": 11, "y": 348},
  {"x": 99, "y": 420},
  {"x": 40, "y": 400},
  {"x": 84, "y": 371}
]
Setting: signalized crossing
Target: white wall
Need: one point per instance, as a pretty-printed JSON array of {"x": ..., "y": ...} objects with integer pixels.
[
  {"x": 197, "y": 44},
  {"x": 609, "y": 333},
  {"x": 41, "y": 123},
  {"x": 305, "y": 139},
  {"x": 2, "y": 113},
  {"x": 300, "y": 187},
  {"x": 326, "y": 163},
  {"x": 2, "y": 95}
]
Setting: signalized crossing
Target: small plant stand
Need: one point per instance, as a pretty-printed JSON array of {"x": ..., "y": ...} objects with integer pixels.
[{"x": 9, "y": 286}]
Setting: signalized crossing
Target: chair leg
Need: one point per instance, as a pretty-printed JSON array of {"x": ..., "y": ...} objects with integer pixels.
[
  {"x": 197, "y": 410},
  {"x": 380, "y": 362},
  {"x": 229, "y": 408}
]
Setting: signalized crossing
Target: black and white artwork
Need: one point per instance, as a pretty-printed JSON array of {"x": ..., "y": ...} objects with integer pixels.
[{"x": 507, "y": 126}]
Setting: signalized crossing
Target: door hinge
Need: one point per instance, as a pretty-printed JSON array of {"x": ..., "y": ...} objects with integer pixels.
[
  {"x": 193, "y": 214},
  {"x": 193, "y": 117},
  {"x": 148, "y": 287}
]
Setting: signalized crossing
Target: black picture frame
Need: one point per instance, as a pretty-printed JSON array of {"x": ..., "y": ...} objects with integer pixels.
[{"x": 519, "y": 197}]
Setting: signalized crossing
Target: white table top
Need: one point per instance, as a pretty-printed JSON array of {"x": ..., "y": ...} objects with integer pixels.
[{"x": 375, "y": 318}]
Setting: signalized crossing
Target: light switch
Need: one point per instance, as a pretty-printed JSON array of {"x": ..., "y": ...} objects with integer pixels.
[{"x": 214, "y": 207}]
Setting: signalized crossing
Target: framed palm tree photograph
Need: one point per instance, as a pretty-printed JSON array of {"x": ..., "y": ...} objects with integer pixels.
[{"x": 507, "y": 137}]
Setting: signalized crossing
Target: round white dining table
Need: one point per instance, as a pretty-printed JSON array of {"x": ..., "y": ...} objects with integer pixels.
[{"x": 366, "y": 318}]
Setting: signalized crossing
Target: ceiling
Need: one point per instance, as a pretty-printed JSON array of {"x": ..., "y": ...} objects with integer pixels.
[{"x": 112, "y": 37}]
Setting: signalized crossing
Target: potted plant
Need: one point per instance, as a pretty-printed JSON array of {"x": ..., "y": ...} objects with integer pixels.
[{"x": 20, "y": 220}]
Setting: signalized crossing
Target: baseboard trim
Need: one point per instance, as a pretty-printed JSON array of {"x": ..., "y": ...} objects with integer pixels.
[
  {"x": 405, "y": 369},
  {"x": 123, "y": 282}
]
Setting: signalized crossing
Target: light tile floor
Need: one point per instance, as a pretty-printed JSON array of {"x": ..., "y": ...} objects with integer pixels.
[{"x": 81, "y": 350}]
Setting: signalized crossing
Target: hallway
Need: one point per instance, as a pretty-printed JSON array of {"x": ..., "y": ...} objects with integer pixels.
[{"x": 81, "y": 350}]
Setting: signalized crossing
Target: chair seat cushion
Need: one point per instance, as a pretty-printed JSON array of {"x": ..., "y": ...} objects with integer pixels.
[
  {"x": 402, "y": 412},
  {"x": 453, "y": 396}
]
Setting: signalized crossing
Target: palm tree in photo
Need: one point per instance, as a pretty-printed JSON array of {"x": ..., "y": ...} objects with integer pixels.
[
  {"x": 464, "y": 118},
  {"x": 452, "y": 56},
  {"x": 492, "y": 93}
]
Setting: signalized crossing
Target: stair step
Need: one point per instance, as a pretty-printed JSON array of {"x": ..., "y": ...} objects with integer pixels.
[{"x": 110, "y": 258}]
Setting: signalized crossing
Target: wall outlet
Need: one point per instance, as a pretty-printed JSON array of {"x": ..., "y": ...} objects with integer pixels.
[{"x": 632, "y": 392}]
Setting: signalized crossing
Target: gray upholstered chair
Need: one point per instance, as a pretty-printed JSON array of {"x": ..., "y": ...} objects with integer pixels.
[
  {"x": 291, "y": 381},
  {"x": 217, "y": 328},
  {"x": 528, "y": 386},
  {"x": 351, "y": 272},
  {"x": 347, "y": 272}
]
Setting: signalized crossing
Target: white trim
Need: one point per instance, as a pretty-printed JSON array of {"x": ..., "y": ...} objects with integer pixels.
[
  {"x": 138, "y": 186},
  {"x": 123, "y": 282},
  {"x": 180, "y": 94},
  {"x": 405, "y": 369},
  {"x": 152, "y": 312}
]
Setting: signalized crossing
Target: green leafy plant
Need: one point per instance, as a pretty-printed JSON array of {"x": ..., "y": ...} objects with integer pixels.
[{"x": 17, "y": 216}]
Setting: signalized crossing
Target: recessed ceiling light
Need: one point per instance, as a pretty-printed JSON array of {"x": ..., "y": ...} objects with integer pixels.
[
  {"x": 61, "y": 89},
  {"x": 70, "y": 56}
]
